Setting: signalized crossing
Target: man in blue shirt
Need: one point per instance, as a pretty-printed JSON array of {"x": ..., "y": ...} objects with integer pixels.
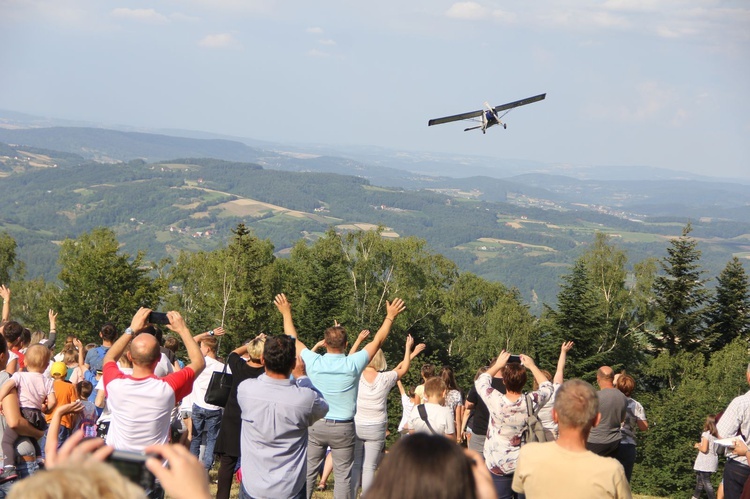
[
  {"x": 336, "y": 375},
  {"x": 276, "y": 414}
]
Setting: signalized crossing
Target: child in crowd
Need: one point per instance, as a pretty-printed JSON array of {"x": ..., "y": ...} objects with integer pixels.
[
  {"x": 428, "y": 371},
  {"x": 35, "y": 396},
  {"x": 65, "y": 393},
  {"x": 433, "y": 416},
  {"x": 407, "y": 404},
  {"x": 707, "y": 461},
  {"x": 86, "y": 419}
]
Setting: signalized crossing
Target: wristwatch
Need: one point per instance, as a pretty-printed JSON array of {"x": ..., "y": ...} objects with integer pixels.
[
  {"x": 211, "y": 333},
  {"x": 129, "y": 331}
]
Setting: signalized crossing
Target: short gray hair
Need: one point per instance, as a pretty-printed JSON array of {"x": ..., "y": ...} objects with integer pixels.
[{"x": 576, "y": 404}]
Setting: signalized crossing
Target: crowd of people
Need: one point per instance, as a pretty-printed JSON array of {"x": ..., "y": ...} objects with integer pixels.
[{"x": 290, "y": 414}]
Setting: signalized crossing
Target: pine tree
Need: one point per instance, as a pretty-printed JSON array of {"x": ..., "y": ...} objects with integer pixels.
[
  {"x": 681, "y": 296},
  {"x": 729, "y": 314}
]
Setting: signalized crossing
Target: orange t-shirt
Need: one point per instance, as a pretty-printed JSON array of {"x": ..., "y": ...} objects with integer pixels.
[{"x": 65, "y": 393}]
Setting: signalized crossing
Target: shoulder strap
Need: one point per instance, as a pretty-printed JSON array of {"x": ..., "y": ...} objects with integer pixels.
[
  {"x": 423, "y": 415},
  {"x": 530, "y": 404}
]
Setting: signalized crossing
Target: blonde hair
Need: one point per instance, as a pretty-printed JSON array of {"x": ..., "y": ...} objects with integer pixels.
[
  {"x": 255, "y": 348},
  {"x": 95, "y": 479},
  {"x": 434, "y": 387},
  {"x": 37, "y": 358},
  {"x": 378, "y": 361}
]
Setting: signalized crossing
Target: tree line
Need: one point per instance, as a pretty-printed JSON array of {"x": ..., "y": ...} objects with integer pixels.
[{"x": 685, "y": 343}]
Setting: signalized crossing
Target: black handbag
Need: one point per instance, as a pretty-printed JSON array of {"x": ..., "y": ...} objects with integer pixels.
[{"x": 219, "y": 388}]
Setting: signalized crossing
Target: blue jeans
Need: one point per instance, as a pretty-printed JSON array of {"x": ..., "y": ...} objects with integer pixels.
[
  {"x": 205, "y": 421},
  {"x": 62, "y": 436},
  {"x": 735, "y": 475},
  {"x": 367, "y": 451},
  {"x": 503, "y": 487}
]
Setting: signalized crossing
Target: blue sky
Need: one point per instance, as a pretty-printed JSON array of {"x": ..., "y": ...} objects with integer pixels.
[{"x": 629, "y": 82}]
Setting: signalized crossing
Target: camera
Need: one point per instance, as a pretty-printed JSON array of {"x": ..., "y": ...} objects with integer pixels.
[
  {"x": 514, "y": 358},
  {"x": 133, "y": 466}
]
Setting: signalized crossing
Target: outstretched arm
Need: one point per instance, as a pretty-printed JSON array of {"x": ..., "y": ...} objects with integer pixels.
[
  {"x": 392, "y": 310},
  {"x": 286, "y": 313},
  {"x": 5, "y": 294},
  {"x": 417, "y": 350},
  {"x": 403, "y": 366},
  {"x": 177, "y": 324},
  {"x": 219, "y": 331},
  {"x": 564, "y": 349},
  {"x": 136, "y": 324},
  {"x": 362, "y": 337}
]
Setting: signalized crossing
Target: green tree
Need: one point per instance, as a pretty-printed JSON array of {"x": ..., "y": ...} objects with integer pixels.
[
  {"x": 680, "y": 296},
  {"x": 728, "y": 316},
  {"x": 7, "y": 257},
  {"x": 102, "y": 285},
  {"x": 230, "y": 287}
]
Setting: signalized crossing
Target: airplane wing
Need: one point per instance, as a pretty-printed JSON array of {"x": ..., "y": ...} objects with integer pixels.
[
  {"x": 455, "y": 117},
  {"x": 518, "y": 103},
  {"x": 477, "y": 114}
]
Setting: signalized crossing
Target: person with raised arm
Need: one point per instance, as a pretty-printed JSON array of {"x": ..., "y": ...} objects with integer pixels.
[
  {"x": 508, "y": 415},
  {"x": 545, "y": 413},
  {"x": 371, "y": 417},
  {"x": 336, "y": 375},
  {"x": 141, "y": 404}
]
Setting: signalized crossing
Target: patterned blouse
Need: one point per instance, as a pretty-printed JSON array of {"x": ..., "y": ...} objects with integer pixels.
[
  {"x": 452, "y": 400},
  {"x": 507, "y": 422}
]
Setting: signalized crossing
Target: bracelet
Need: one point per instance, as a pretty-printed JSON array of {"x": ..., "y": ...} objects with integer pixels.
[{"x": 389, "y": 319}]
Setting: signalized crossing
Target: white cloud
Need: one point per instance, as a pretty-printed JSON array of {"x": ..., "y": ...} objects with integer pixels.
[
  {"x": 220, "y": 41},
  {"x": 140, "y": 15},
  {"x": 471, "y": 11},
  {"x": 315, "y": 30},
  {"x": 327, "y": 41}
]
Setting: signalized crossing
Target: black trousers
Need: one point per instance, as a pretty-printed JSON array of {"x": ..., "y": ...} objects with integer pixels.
[{"x": 227, "y": 465}]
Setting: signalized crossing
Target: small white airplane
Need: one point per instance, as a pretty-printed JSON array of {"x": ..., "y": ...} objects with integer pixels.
[{"x": 489, "y": 117}]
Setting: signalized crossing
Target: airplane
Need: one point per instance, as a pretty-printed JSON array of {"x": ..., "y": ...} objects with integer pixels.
[{"x": 489, "y": 116}]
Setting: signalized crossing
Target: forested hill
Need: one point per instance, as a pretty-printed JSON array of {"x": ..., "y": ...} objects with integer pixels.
[{"x": 525, "y": 240}]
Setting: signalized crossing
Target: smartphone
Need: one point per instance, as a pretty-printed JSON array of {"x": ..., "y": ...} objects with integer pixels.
[
  {"x": 514, "y": 358},
  {"x": 158, "y": 318},
  {"x": 132, "y": 465}
]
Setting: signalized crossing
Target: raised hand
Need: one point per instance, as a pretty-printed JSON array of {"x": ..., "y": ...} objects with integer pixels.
[
  {"x": 363, "y": 335},
  {"x": 5, "y": 292},
  {"x": 394, "y": 308},
  {"x": 176, "y": 322},
  {"x": 419, "y": 349},
  {"x": 502, "y": 359},
  {"x": 527, "y": 361},
  {"x": 140, "y": 319},
  {"x": 219, "y": 331},
  {"x": 566, "y": 346},
  {"x": 282, "y": 303}
]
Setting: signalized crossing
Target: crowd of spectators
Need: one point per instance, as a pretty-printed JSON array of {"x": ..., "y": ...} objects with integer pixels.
[{"x": 68, "y": 418}]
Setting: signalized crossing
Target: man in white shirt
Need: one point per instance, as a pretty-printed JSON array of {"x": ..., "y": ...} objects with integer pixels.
[
  {"x": 141, "y": 403},
  {"x": 206, "y": 417}
]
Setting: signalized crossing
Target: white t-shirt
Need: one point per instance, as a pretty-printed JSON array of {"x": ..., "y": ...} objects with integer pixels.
[
  {"x": 440, "y": 418},
  {"x": 372, "y": 398},
  {"x": 407, "y": 405},
  {"x": 200, "y": 385},
  {"x": 164, "y": 367},
  {"x": 142, "y": 407},
  {"x": 106, "y": 414}
]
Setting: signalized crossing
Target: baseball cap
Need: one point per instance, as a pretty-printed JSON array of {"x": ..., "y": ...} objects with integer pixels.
[{"x": 58, "y": 368}]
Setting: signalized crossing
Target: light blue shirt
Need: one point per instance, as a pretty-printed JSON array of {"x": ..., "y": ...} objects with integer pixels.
[
  {"x": 336, "y": 375},
  {"x": 275, "y": 416}
]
